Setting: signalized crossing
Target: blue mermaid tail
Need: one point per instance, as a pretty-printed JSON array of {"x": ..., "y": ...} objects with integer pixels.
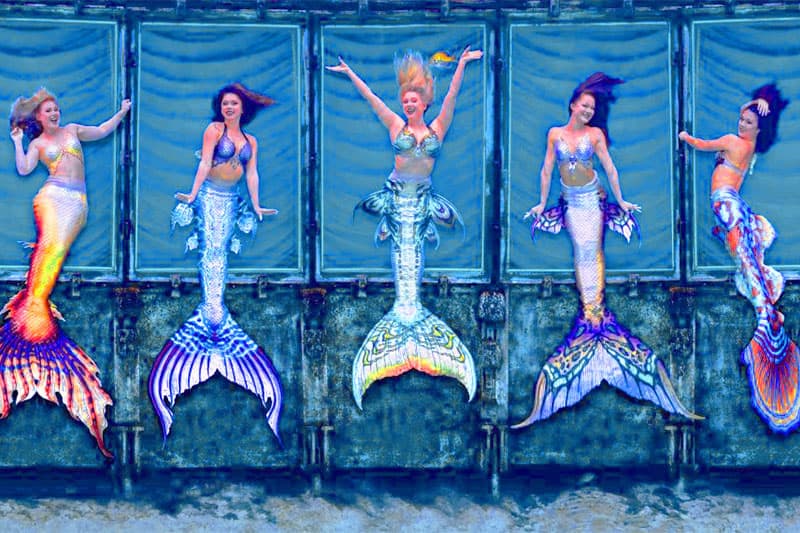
[{"x": 211, "y": 341}]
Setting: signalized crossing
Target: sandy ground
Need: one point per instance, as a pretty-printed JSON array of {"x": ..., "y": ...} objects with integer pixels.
[{"x": 588, "y": 504}]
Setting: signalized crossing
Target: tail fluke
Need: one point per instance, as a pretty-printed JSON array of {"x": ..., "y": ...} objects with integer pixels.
[
  {"x": 773, "y": 366},
  {"x": 54, "y": 367},
  {"x": 596, "y": 351},
  {"x": 394, "y": 347},
  {"x": 196, "y": 352}
]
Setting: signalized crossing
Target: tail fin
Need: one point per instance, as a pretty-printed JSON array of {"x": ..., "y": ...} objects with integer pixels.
[
  {"x": 394, "y": 347},
  {"x": 53, "y": 368},
  {"x": 773, "y": 368},
  {"x": 596, "y": 351},
  {"x": 196, "y": 352}
]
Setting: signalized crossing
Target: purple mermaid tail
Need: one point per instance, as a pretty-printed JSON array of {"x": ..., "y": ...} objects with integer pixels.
[{"x": 597, "y": 348}]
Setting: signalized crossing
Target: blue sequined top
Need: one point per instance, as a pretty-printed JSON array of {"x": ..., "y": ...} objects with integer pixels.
[{"x": 226, "y": 149}]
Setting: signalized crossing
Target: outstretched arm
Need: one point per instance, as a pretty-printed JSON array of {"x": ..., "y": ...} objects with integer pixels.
[
  {"x": 601, "y": 149},
  {"x": 252, "y": 182},
  {"x": 25, "y": 162},
  {"x": 93, "y": 133},
  {"x": 442, "y": 122},
  {"x": 544, "y": 176},
  {"x": 390, "y": 119},
  {"x": 712, "y": 145},
  {"x": 210, "y": 137}
]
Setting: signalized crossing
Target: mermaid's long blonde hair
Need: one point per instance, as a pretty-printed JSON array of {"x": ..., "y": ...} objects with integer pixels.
[{"x": 413, "y": 74}]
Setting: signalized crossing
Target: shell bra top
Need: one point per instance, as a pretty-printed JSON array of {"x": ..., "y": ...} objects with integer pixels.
[
  {"x": 226, "y": 149},
  {"x": 52, "y": 153},
  {"x": 583, "y": 153},
  {"x": 406, "y": 145}
]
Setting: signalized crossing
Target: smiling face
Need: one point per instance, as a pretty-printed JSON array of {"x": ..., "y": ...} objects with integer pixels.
[
  {"x": 413, "y": 105},
  {"x": 48, "y": 114},
  {"x": 582, "y": 109},
  {"x": 748, "y": 124},
  {"x": 231, "y": 106}
]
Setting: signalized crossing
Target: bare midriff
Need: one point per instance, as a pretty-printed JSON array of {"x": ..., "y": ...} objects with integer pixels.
[
  {"x": 418, "y": 166},
  {"x": 580, "y": 175},
  {"x": 726, "y": 177},
  {"x": 225, "y": 175}
]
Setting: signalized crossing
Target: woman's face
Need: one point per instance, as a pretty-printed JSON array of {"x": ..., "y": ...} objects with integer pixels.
[
  {"x": 231, "y": 106},
  {"x": 48, "y": 114},
  {"x": 583, "y": 108},
  {"x": 748, "y": 124},
  {"x": 412, "y": 104}
]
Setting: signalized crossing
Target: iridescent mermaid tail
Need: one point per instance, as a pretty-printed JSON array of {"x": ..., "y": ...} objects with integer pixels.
[
  {"x": 36, "y": 357},
  {"x": 771, "y": 357},
  {"x": 409, "y": 336},
  {"x": 211, "y": 341},
  {"x": 598, "y": 348}
]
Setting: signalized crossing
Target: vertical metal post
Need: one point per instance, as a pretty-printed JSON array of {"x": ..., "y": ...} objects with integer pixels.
[{"x": 316, "y": 423}]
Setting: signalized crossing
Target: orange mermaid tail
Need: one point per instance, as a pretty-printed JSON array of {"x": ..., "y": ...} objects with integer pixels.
[{"x": 36, "y": 357}]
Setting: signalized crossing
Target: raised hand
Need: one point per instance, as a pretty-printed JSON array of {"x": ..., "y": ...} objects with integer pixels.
[
  {"x": 341, "y": 67},
  {"x": 16, "y": 133},
  {"x": 470, "y": 55}
]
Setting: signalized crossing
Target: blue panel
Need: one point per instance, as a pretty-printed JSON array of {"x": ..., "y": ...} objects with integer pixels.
[
  {"x": 181, "y": 67},
  {"x": 357, "y": 154},
  {"x": 76, "y": 61},
  {"x": 730, "y": 60},
  {"x": 546, "y": 64}
]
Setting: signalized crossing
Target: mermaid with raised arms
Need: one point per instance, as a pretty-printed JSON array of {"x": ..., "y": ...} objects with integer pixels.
[{"x": 410, "y": 337}]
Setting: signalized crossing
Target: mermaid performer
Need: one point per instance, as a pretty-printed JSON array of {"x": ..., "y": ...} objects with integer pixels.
[
  {"x": 771, "y": 356},
  {"x": 211, "y": 341},
  {"x": 409, "y": 336},
  {"x": 597, "y": 348},
  {"x": 36, "y": 357}
]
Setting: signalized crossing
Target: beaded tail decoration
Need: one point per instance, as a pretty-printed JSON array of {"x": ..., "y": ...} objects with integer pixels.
[
  {"x": 598, "y": 348},
  {"x": 410, "y": 337},
  {"x": 771, "y": 356},
  {"x": 211, "y": 341},
  {"x": 36, "y": 357}
]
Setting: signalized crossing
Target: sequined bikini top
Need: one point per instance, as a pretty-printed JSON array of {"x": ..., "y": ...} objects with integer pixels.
[
  {"x": 53, "y": 153},
  {"x": 226, "y": 149},
  {"x": 405, "y": 144},
  {"x": 583, "y": 152}
]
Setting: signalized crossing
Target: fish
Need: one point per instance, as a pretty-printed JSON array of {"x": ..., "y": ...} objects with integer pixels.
[{"x": 443, "y": 60}]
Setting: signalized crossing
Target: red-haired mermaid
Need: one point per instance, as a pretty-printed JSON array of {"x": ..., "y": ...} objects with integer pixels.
[
  {"x": 36, "y": 357},
  {"x": 211, "y": 341},
  {"x": 771, "y": 356},
  {"x": 598, "y": 348}
]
